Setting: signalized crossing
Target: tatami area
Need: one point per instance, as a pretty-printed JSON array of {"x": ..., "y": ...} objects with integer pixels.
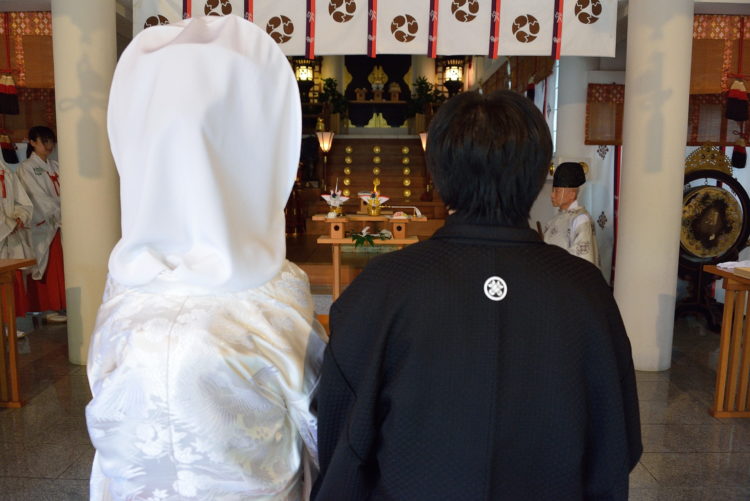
[{"x": 45, "y": 453}]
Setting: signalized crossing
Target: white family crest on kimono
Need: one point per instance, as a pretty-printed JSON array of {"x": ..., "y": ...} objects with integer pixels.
[
  {"x": 206, "y": 351},
  {"x": 573, "y": 230},
  {"x": 40, "y": 180},
  {"x": 15, "y": 205}
]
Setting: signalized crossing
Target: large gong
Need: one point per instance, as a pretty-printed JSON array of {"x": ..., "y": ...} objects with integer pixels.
[
  {"x": 715, "y": 227},
  {"x": 714, "y": 217}
]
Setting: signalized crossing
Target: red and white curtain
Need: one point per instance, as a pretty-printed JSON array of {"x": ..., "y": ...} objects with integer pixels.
[
  {"x": 432, "y": 27},
  {"x": 589, "y": 28}
]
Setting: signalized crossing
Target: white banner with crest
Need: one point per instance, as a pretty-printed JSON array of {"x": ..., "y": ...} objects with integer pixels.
[
  {"x": 341, "y": 26},
  {"x": 403, "y": 27},
  {"x": 464, "y": 27},
  {"x": 526, "y": 27},
  {"x": 285, "y": 21},
  {"x": 589, "y": 28},
  {"x": 218, "y": 8},
  {"x": 148, "y": 13}
]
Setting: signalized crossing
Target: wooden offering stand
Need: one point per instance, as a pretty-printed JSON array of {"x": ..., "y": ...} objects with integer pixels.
[
  {"x": 337, "y": 236},
  {"x": 10, "y": 393},
  {"x": 731, "y": 399}
]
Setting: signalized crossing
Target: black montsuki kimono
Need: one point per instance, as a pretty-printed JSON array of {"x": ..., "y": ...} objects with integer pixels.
[{"x": 442, "y": 382}]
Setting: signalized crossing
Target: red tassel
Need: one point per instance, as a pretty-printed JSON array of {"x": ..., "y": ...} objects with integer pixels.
[
  {"x": 8, "y": 150},
  {"x": 8, "y": 96},
  {"x": 737, "y": 102},
  {"x": 739, "y": 155}
]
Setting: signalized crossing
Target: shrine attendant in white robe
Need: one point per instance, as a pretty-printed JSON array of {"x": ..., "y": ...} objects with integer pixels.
[
  {"x": 206, "y": 353},
  {"x": 573, "y": 227},
  {"x": 40, "y": 177},
  {"x": 15, "y": 216}
]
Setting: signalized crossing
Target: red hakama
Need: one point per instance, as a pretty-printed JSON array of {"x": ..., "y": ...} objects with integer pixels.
[{"x": 49, "y": 292}]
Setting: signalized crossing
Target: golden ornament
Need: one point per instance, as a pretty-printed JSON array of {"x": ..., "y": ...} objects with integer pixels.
[
  {"x": 348, "y": 150},
  {"x": 376, "y": 149},
  {"x": 376, "y": 182},
  {"x": 347, "y": 171},
  {"x": 708, "y": 157},
  {"x": 406, "y": 171},
  {"x": 347, "y": 160},
  {"x": 405, "y": 160},
  {"x": 346, "y": 192},
  {"x": 407, "y": 182},
  {"x": 405, "y": 150},
  {"x": 376, "y": 160},
  {"x": 376, "y": 171},
  {"x": 347, "y": 181},
  {"x": 407, "y": 193}
]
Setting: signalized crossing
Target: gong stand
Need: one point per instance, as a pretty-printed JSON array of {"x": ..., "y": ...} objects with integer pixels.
[{"x": 715, "y": 227}]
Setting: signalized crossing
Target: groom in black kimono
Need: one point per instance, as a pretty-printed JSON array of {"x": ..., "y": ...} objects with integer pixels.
[{"x": 482, "y": 363}]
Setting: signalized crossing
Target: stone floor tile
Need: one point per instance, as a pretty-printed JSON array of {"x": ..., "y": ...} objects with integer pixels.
[
  {"x": 679, "y": 408},
  {"x": 666, "y": 494},
  {"x": 39, "y": 489},
  {"x": 641, "y": 478},
  {"x": 655, "y": 390},
  {"x": 81, "y": 467},
  {"x": 688, "y": 438},
  {"x": 38, "y": 461},
  {"x": 728, "y": 470}
]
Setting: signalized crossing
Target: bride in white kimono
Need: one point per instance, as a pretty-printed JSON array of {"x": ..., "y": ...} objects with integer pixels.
[{"x": 206, "y": 352}]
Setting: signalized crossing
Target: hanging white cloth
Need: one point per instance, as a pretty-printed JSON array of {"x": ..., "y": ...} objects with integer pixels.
[
  {"x": 205, "y": 354},
  {"x": 41, "y": 181},
  {"x": 14, "y": 205}
]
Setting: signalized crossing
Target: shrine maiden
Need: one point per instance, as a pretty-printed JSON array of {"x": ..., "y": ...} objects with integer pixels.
[
  {"x": 16, "y": 210},
  {"x": 205, "y": 351},
  {"x": 572, "y": 228},
  {"x": 40, "y": 177}
]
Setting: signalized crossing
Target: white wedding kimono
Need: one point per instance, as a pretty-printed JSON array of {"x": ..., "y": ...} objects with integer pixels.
[
  {"x": 14, "y": 204},
  {"x": 41, "y": 180},
  {"x": 573, "y": 230},
  {"x": 204, "y": 397},
  {"x": 206, "y": 353}
]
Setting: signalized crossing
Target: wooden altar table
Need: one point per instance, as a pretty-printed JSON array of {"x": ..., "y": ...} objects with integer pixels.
[
  {"x": 733, "y": 368},
  {"x": 10, "y": 393},
  {"x": 337, "y": 231}
]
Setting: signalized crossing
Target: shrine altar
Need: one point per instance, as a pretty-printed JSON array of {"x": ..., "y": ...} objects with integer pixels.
[{"x": 337, "y": 236}]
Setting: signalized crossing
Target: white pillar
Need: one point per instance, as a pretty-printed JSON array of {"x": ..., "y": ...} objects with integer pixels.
[
  {"x": 657, "y": 83},
  {"x": 84, "y": 49}
]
